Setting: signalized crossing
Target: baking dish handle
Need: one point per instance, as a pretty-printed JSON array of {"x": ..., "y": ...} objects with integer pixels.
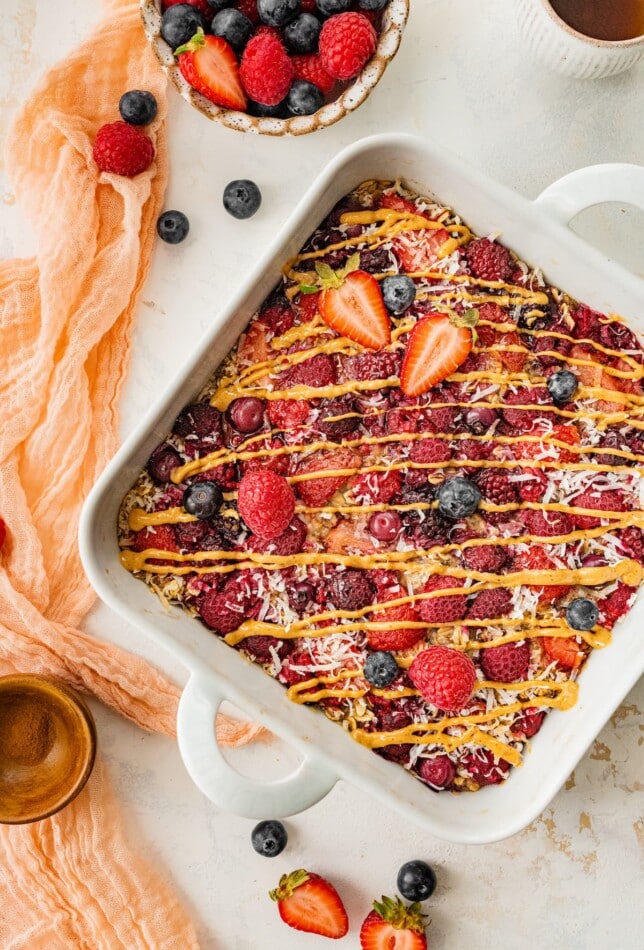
[
  {"x": 198, "y": 706},
  {"x": 593, "y": 185}
]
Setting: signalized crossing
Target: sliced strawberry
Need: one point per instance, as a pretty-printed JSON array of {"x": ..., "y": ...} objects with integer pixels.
[
  {"x": 310, "y": 903},
  {"x": 536, "y": 559},
  {"x": 318, "y": 491},
  {"x": 348, "y": 538},
  {"x": 253, "y": 347},
  {"x": 393, "y": 926},
  {"x": 398, "y": 203},
  {"x": 209, "y": 65},
  {"x": 437, "y": 346},
  {"x": 351, "y": 304},
  {"x": 417, "y": 251},
  {"x": 564, "y": 650}
]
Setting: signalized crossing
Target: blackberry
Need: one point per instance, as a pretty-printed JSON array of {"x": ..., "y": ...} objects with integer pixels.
[
  {"x": 198, "y": 421},
  {"x": 138, "y": 107}
]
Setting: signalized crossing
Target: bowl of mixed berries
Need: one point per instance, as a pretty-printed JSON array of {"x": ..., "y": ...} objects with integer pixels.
[{"x": 275, "y": 66}]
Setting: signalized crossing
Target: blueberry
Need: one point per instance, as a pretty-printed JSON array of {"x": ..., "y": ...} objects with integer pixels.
[
  {"x": 582, "y": 614},
  {"x": 202, "y": 499},
  {"x": 416, "y": 881},
  {"x": 234, "y": 26},
  {"x": 304, "y": 98},
  {"x": 273, "y": 112},
  {"x": 277, "y": 12},
  {"x": 329, "y": 7},
  {"x": 172, "y": 227},
  {"x": 242, "y": 198},
  {"x": 218, "y": 5},
  {"x": 301, "y": 36},
  {"x": 458, "y": 498},
  {"x": 381, "y": 669},
  {"x": 138, "y": 107},
  {"x": 180, "y": 23},
  {"x": 398, "y": 293},
  {"x": 373, "y": 4},
  {"x": 269, "y": 838},
  {"x": 562, "y": 386}
]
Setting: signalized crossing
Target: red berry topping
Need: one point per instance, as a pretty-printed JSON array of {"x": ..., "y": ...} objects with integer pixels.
[
  {"x": 291, "y": 541},
  {"x": 536, "y": 559},
  {"x": 524, "y": 419},
  {"x": 311, "y": 69},
  {"x": 122, "y": 149},
  {"x": 266, "y": 71},
  {"x": 397, "y": 638},
  {"x": 491, "y": 604},
  {"x": 444, "y": 676},
  {"x": 488, "y": 260},
  {"x": 288, "y": 413},
  {"x": 246, "y": 414},
  {"x": 385, "y": 525},
  {"x": 616, "y": 604},
  {"x": 528, "y": 722},
  {"x": 533, "y": 489},
  {"x": 199, "y": 421},
  {"x": 161, "y": 536},
  {"x": 318, "y": 491},
  {"x": 442, "y": 609},
  {"x": 496, "y": 487},
  {"x": 507, "y": 663},
  {"x": 249, "y": 9},
  {"x": 318, "y": 371},
  {"x": 380, "y": 365},
  {"x": 547, "y": 524},
  {"x": 438, "y": 772},
  {"x": 487, "y": 558},
  {"x": 392, "y": 925},
  {"x": 351, "y": 590},
  {"x": 376, "y": 488},
  {"x": 225, "y": 610},
  {"x": 631, "y": 541},
  {"x": 430, "y": 450},
  {"x": 484, "y": 768},
  {"x": 346, "y": 42},
  {"x": 600, "y": 501},
  {"x": 266, "y": 503}
]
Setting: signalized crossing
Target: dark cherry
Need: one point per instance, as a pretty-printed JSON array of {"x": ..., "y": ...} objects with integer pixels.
[
  {"x": 300, "y": 595},
  {"x": 479, "y": 419},
  {"x": 246, "y": 414},
  {"x": 385, "y": 525}
]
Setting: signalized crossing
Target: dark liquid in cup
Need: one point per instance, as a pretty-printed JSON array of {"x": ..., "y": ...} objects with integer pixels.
[{"x": 603, "y": 19}]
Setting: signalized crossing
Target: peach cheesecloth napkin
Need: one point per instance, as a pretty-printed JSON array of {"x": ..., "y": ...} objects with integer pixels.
[{"x": 65, "y": 319}]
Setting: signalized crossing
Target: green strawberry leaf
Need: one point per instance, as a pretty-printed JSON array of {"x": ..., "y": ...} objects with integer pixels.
[{"x": 308, "y": 289}]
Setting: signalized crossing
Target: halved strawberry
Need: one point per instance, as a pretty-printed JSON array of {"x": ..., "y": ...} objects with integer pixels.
[
  {"x": 398, "y": 203},
  {"x": 351, "y": 304},
  {"x": 393, "y": 926},
  {"x": 417, "y": 251},
  {"x": 209, "y": 65},
  {"x": 310, "y": 903},
  {"x": 437, "y": 346},
  {"x": 565, "y": 650}
]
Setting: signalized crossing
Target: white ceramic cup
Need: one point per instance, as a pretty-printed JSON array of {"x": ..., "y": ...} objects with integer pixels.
[{"x": 556, "y": 45}]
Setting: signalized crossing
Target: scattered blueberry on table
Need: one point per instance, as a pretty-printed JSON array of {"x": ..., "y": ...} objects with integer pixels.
[
  {"x": 173, "y": 227},
  {"x": 242, "y": 198}
]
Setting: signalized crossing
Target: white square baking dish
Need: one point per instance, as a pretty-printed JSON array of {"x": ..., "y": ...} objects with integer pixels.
[{"x": 538, "y": 232}]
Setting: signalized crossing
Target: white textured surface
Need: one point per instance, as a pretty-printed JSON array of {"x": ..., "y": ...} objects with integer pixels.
[{"x": 572, "y": 881}]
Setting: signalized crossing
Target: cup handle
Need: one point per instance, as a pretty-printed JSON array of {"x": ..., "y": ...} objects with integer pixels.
[
  {"x": 593, "y": 185},
  {"x": 250, "y": 798}
]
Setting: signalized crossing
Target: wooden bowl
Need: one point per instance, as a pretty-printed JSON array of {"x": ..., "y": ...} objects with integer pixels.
[
  {"x": 395, "y": 17},
  {"x": 47, "y": 747}
]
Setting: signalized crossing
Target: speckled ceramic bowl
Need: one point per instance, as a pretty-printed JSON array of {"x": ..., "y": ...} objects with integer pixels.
[{"x": 394, "y": 20}]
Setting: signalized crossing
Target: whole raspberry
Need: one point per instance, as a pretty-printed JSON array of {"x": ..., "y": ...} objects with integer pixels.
[
  {"x": 277, "y": 315},
  {"x": 536, "y": 558},
  {"x": 438, "y": 772},
  {"x": 122, "y": 149},
  {"x": 483, "y": 768},
  {"x": 443, "y": 419},
  {"x": 430, "y": 450},
  {"x": 631, "y": 540},
  {"x": 266, "y": 503},
  {"x": 444, "y": 676},
  {"x": 382, "y": 364},
  {"x": 488, "y": 260},
  {"x": 614, "y": 606},
  {"x": 346, "y": 42},
  {"x": 600, "y": 501},
  {"x": 351, "y": 590},
  {"x": 311, "y": 69},
  {"x": 162, "y": 462},
  {"x": 523, "y": 419},
  {"x": 527, "y": 723},
  {"x": 288, "y": 413},
  {"x": 442, "y": 609},
  {"x": 488, "y": 559},
  {"x": 248, "y": 8},
  {"x": 291, "y": 676},
  {"x": 318, "y": 371},
  {"x": 266, "y": 72},
  {"x": 290, "y": 541},
  {"x": 190, "y": 536},
  {"x": 376, "y": 488},
  {"x": 547, "y": 524},
  {"x": 225, "y": 610},
  {"x": 199, "y": 421},
  {"x": 507, "y": 663},
  {"x": 533, "y": 488},
  {"x": 161, "y": 536},
  {"x": 491, "y": 604},
  {"x": 496, "y": 487}
]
